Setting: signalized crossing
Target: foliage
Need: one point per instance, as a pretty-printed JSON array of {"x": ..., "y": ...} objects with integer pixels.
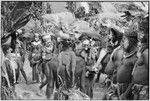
[
  {"x": 95, "y": 8},
  {"x": 13, "y": 13},
  {"x": 71, "y": 6},
  {"x": 16, "y": 14},
  {"x": 80, "y": 12},
  {"x": 49, "y": 10},
  {"x": 6, "y": 9}
]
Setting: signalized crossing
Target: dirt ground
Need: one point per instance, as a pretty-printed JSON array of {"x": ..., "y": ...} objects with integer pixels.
[{"x": 32, "y": 91}]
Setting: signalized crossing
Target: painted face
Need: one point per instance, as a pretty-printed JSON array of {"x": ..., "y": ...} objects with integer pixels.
[
  {"x": 125, "y": 43},
  {"x": 86, "y": 47},
  {"x": 86, "y": 44},
  {"x": 48, "y": 41},
  {"x": 17, "y": 49},
  {"x": 43, "y": 54},
  {"x": 140, "y": 35},
  {"x": 139, "y": 45},
  {"x": 50, "y": 45},
  {"x": 92, "y": 43},
  {"x": 110, "y": 35},
  {"x": 37, "y": 38},
  {"x": 9, "y": 50}
]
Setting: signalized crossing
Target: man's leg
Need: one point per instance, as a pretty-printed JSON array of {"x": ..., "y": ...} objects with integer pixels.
[
  {"x": 98, "y": 76},
  {"x": 17, "y": 74},
  {"x": 36, "y": 73},
  {"x": 33, "y": 72},
  {"x": 20, "y": 64},
  {"x": 39, "y": 71},
  {"x": 24, "y": 75}
]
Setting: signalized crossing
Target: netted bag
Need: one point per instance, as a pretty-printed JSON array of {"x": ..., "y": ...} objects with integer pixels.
[{"x": 7, "y": 93}]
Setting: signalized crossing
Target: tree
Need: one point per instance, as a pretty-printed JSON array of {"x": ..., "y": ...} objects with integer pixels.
[
  {"x": 6, "y": 10},
  {"x": 16, "y": 14},
  {"x": 71, "y": 6},
  {"x": 49, "y": 10}
]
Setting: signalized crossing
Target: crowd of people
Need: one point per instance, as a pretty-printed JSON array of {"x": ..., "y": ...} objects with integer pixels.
[{"x": 67, "y": 63}]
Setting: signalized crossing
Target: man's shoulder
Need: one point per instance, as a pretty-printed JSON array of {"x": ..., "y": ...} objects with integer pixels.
[
  {"x": 118, "y": 50},
  {"x": 145, "y": 51},
  {"x": 67, "y": 53},
  {"x": 6, "y": 61},
  {"x": 71, "y": 53}
]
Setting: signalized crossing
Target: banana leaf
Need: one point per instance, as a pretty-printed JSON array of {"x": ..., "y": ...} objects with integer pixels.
[
  {"x": 21, "y": 22},
  {"x": 91, "y": 34},
  {"x": 84, "y": 29},
  {"x": 20, "y": 8},
  {"x": 55, "y": 18},
  {"x": 79, "y": 25}
]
